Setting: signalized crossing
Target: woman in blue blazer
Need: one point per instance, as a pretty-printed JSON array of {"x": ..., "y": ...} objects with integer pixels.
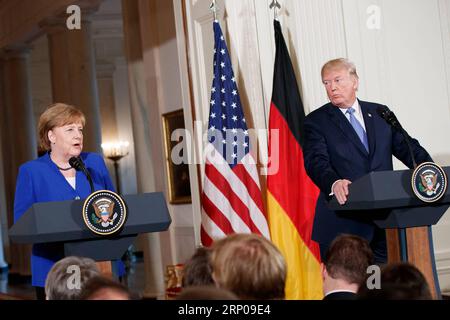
[{"x": 51, "y": 178}]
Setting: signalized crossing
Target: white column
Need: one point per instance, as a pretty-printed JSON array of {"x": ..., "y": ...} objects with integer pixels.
[
  {"x": 154, "y": 275},
  {"x": 73, "y": 73},
  {"x": 107, "y": 110},
  {"x": 18, "y": 136}
]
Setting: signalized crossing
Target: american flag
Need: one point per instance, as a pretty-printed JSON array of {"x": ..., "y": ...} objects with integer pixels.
[{"x": 231, "y": 198}]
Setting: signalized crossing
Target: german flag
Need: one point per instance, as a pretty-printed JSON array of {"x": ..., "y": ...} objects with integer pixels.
[{"x": 291, "y": 195}]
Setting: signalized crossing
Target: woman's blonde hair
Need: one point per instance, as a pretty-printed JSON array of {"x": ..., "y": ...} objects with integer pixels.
[
  {"x": 250, "y": 266},
  {"x": 56, "y": 115}
]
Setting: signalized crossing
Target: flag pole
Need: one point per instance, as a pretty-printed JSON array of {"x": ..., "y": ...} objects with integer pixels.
[
  {"x": 213, "y": 8},
  {"x": 275, "y": 5}
]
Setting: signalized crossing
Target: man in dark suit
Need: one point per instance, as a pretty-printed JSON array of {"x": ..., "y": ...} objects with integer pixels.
[
  {"x": 344, "y": 140},
  {"x": 344, "y": 268}
]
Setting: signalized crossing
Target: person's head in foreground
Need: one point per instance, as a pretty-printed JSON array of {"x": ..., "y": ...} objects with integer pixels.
[
  {"x": 345, "y": 265},
  {"x": 198, "y": 270},
  {"x": 399, "y": 281},
  {"x": 207, "y": 292},
  {"x": 102, "y": 288},
  {"x": 68, "y": 277},
  {"x": 250, "y": 266}
]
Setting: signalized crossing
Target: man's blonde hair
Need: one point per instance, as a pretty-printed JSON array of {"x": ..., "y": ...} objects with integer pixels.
[
  {"x": 250, "y": 266},
  {"x": 340, "y": 63},
  {"x": 56, "y": 115}
]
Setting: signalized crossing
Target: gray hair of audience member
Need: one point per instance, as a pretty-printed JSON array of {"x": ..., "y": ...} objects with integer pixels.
[
  {"x": 67, "y": 278},
  {"x": 339, "y": 64},
  {"x": 102, "y": 288},
  {"x": 206, "y": 293},
  {"x": 348, "y": 258},
  {"x": 250, "y": 266},
  {"x": 197, "y": 270}
]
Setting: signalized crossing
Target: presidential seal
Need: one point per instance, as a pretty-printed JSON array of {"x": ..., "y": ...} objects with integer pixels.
[
  {"x": 429, "y": 182},
  {"x": 104, "y": 212}
]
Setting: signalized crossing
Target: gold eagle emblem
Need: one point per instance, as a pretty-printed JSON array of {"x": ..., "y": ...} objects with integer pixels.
[
  {"x": 104, "y": 210},
  {"x": 428, "y": 179}
]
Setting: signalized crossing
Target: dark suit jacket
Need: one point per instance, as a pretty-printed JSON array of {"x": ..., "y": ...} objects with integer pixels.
[
  {"x": 340, "y": 295},
  {"x": 332, "y": 151}
]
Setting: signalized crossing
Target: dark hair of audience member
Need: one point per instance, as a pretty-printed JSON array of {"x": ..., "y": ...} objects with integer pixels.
[
  {"x": 348, "y": 258},
  {"x": 250, "y": 266},
  {"x": 197, "y": 270},
  {"x": 408, "y": 275},
  {"x": 102, "y": 288},
  {"x": 389, "y": 291},
  {"x": 63, "y": 273},
  {"x": 399, "y": 281},
  {"x": 206, "y": 293}
]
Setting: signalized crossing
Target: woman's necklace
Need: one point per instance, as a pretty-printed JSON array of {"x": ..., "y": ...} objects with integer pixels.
[{"x": 64, "y": 169}]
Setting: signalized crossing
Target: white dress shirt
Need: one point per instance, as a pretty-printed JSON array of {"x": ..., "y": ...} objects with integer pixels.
[{"x": 71, "y": 181}]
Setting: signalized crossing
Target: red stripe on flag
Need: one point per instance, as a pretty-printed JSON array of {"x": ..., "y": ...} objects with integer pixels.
[
  {"x": 227, "y": 190},
  {"x": 253, "y": 188},
  {"x": 206, "y": 239},
  {"x": 216, "y": 215}
]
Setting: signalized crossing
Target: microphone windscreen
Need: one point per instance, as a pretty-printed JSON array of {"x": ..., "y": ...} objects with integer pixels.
[
  {"x": 383, "y": 112},
  {"x": 75, "y": 163}
]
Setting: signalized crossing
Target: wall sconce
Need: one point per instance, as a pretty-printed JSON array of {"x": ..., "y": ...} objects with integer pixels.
[{"x": 115, "y": 151}]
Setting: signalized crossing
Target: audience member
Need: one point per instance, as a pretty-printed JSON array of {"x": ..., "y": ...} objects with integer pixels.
[
  {"x": 250, "y": 266},
  {"x": 68, "y": 277},
  {"x": 198, "y": 270},
  {"x": 345, "y": 267},
  {"x": 207, "y": 292},
  {"x": 101, "y": 288},
  {"x": 399, "y": 281}
]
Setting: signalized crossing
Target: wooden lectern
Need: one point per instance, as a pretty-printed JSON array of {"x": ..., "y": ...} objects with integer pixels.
[{"x": 386, "y": 198}]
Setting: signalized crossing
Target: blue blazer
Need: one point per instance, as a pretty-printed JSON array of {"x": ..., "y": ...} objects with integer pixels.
[
  {"x": 332, "y": 151},
  {"x": 41, "y": 181}
]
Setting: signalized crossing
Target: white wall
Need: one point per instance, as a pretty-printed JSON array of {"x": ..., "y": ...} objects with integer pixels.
[{"x": 403, "y": 61}]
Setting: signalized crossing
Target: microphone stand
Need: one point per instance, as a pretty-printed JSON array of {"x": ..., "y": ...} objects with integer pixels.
[
  {"x": 391, "y": 119},
  {"x": 88, "y": 176},
  {"x": 408, "y": 142},
  {"x": 78, "y": 165}
]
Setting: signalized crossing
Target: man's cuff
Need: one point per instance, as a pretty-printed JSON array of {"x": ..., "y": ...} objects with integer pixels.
[{"x": 332, "y": 186}]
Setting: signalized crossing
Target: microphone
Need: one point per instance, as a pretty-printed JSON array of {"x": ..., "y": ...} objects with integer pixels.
[
  {"x": 77, "y": 164},
  {"x": 392, "y": 120},
  {"x": 389, "y": 116}
]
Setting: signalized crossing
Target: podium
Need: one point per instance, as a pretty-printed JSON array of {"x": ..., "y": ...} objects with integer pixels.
[
  {"x": 62, "y": 222},
  {"x": 386, "y": 198}
]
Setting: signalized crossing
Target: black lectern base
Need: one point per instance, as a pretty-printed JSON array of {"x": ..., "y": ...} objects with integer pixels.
[{"x": 100, "y": 249}]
